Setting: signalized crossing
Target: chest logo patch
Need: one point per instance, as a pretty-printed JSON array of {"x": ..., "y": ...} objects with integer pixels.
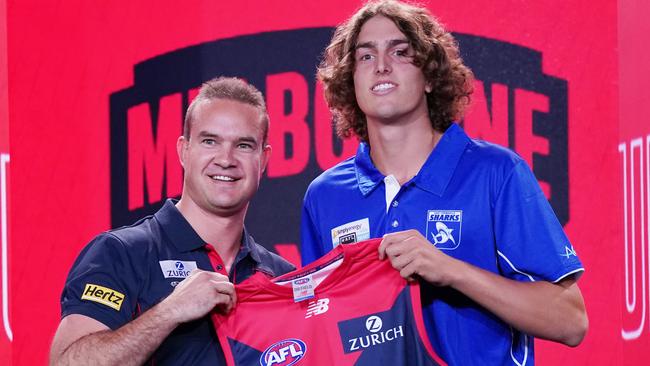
[
  {"x": 444, "y": 228},
  {"x": 177, "y": 269},
  {"x": 352, "y": 232}
]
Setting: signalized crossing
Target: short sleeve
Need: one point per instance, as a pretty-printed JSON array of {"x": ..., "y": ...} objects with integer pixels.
[
  {"x": 531, "y": 243},
  {"x": 102, "y": 283}
]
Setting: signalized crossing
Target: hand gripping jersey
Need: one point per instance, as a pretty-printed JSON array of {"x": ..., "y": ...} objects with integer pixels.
[{"x": 363, "y": 313}]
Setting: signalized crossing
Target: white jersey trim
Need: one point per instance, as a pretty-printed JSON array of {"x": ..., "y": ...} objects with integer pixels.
[
  {"x": 569, "y": 274},
  {"x": 515, "y": 268},
  {"x": 512, "y": 344}
]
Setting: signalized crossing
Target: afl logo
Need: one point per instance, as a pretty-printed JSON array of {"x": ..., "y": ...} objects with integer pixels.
[
  {"x": 284, "y": 353},
  {"x": 301, "y": 281}
]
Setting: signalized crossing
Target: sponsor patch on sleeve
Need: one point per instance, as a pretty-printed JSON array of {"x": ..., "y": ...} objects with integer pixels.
[
  {"x": 103, "y": 295},
  {"x": 352, "y": 232}
]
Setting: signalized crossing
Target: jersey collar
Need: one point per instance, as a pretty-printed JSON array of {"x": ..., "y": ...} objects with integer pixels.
[
  {"x": 185, "y": 239},
  {"x": 177, "y": 228},
  {"x": 435, "y": 174}
]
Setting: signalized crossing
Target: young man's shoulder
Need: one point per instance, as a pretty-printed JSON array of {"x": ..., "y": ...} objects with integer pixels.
[
  {"x": 493, "y": 153},
  {"x": 341, "y": 175}
]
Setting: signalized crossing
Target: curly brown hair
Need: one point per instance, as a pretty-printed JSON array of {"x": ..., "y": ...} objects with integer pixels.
[{"x": 435, "y": 52}]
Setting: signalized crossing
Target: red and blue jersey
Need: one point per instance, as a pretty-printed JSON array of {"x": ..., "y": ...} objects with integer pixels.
[{"x": 346, "y": 322}]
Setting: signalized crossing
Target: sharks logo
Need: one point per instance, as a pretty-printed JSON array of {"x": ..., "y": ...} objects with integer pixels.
[
  {"x": 444, "y": 227},
  {"x": 444, "y": 234}
]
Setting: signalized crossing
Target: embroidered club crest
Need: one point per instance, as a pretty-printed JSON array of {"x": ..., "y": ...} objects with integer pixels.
[{"x": 444, "y": 228}]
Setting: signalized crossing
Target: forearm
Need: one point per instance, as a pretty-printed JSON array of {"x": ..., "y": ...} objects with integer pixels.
[
  {"x": 546, "y": 310},
  {"x": 131, "y": 344}
]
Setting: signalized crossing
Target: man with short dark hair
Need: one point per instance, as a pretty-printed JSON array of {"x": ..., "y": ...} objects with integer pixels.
[
  {"x": 464, "y": 217},
  {"x": 143, "y": 292}
]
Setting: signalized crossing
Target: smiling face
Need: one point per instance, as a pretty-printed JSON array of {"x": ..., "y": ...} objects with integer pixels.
[
  {"x": 224, "y": 156},
  {"x": 388, "y": 87}
]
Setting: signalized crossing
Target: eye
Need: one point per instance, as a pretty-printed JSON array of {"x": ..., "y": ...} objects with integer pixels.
[
  {"x": 245, "y": 146},
  {"x": 365, "y": 57},
  {"x": 208, "y": 142},
  {"x": 402, "y": 52}
]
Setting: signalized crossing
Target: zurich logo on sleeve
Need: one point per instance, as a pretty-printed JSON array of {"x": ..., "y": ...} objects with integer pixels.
[
  {"x": 284, "y": 353},
  {"x": 444, "y": 228}
]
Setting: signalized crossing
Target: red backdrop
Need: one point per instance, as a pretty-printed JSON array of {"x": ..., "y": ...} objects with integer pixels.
[{"x": 72, "y": 79}]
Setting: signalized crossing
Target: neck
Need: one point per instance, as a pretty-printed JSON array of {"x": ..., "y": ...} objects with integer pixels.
[
  {"x": 401, "y": 149},
  {"x": 223, "y": 232}
]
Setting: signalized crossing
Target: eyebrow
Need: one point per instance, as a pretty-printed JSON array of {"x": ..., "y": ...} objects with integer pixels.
[
  {"x": 215, "y": 136},
  {"x": 373, "y": 44},
  {"x": 208, "y": 134},
  {"x": 248, "y": 139}
]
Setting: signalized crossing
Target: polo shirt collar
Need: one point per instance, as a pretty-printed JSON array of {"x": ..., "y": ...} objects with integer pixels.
[
  {"x": 435, "y": 174},
  {"x": 368, "y": 177},
  {"x": 178, "y": 229},
  {"x": 250, "y": 247},
  {"x": 185, "y": 239}
]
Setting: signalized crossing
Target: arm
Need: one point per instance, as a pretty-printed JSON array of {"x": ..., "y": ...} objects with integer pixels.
[
  {"x": 81, "y": 340},
  {"x": 553, "y": 311}
]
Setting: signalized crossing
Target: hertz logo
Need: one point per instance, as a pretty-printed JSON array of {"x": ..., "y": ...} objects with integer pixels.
[{"x": 103, "y": 295}]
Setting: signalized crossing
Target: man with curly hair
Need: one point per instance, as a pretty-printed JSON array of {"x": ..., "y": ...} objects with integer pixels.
[{"x": 464, "y": 217}]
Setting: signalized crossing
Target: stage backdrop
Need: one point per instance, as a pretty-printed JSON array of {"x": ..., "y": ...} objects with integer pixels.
[{"x": 97, "y": 92}]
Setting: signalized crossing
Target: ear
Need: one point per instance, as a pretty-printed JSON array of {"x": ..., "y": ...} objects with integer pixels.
[
  {"x": 428, "y": 88},
  {"x": 266, "y": 155},
  {"x": 181, "y": 148}
]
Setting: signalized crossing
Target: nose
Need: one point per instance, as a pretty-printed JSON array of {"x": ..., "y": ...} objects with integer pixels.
[
  {"x": 383, "y": 65},
  {"x": 225, "y": 157}
]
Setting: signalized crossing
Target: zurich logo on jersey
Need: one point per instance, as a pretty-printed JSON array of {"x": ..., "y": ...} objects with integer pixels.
[
  {"x": 284, "y": 353},
  {"x": 444, "y": 228}
]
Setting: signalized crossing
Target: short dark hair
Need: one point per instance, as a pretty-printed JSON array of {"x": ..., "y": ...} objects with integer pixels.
[
  {"x": 228, "y": 88},
  {"x": 435, "y": 53}
]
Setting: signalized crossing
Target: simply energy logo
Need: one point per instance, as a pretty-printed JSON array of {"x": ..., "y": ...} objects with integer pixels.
[
  {"x": 284, "y": 353},
  {"x": 515, "y": 104}
]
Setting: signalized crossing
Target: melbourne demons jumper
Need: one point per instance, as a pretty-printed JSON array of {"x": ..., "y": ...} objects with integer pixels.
[{"x": 362, "y": 313}]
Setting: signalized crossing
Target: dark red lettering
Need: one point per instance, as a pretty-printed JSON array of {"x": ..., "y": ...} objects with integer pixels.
[
  {"x": 323, "y": 132},
  {"x": 292, "y": 123},
  {"x": 527, "y": 143},
  {"x": 488, "y": 124},
  {"x": 151, "y": 159}
]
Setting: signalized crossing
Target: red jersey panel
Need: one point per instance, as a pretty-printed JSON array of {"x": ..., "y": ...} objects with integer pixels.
[{"x": 362, "y": 313}]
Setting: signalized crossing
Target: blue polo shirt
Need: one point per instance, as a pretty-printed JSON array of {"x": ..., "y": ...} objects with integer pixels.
[
  {"x": 477, "y": 202},
  {"x": 124, "y": 272}
]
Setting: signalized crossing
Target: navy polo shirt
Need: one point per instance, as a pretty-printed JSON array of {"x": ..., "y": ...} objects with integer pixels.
[
  {"x": 473, "y": 200},
  {"x": 126, "y": 271}
]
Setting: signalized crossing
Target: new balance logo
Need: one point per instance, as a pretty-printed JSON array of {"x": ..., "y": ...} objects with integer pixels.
[{"x": 317, "y": 307}]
